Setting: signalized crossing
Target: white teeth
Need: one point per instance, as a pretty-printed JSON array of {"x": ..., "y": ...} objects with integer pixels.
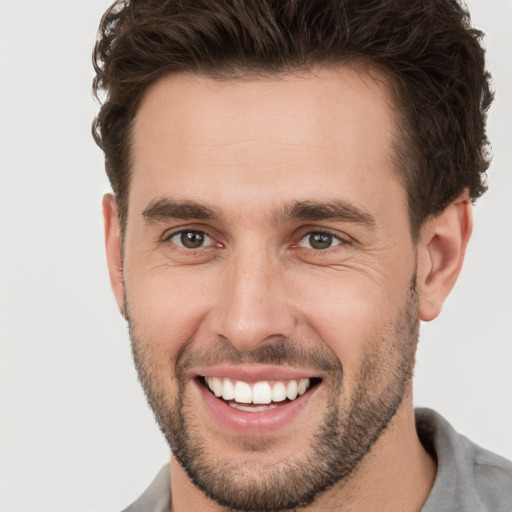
[
  {"x": 216, "y": 386},
  {"x": 228, "y": 390},
  {"x": 302, "y": 386},
  {"x": 246, "y": 408},
  {"x": 291, "y": 390},
  {"x": 257, "y": 393},
  {"x": 278, "y": 392},
  {"x": 261, "y": 393},
  {"x": 243, "y": 392}
]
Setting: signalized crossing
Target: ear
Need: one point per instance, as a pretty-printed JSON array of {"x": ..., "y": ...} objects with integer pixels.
[
  {"x": 113, "y": 248},
  {"x": 441, "y": 250}
]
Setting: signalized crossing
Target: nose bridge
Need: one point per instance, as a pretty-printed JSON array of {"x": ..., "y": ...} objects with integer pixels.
[{"x": 254, "y": 306}]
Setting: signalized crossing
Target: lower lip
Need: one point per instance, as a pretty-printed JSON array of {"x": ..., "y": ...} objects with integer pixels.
[{"x": 260, "y": 422}]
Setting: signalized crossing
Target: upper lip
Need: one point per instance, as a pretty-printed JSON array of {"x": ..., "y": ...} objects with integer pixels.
[{"x": 254, "y": 373}]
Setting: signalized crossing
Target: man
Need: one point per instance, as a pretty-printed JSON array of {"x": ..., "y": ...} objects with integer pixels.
[{"x": 293, "y": 183}]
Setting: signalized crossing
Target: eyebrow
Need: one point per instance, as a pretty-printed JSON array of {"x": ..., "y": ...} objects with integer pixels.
[
  {"x": 325, "y": 210},
  {"x": 163, "y": 209}
]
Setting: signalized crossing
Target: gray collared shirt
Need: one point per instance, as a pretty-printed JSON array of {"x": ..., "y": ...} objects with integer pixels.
[{"x": 469, "y": 478}]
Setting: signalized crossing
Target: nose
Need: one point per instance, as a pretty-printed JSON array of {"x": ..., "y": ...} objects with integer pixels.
[{"x": 254, "y": 305}]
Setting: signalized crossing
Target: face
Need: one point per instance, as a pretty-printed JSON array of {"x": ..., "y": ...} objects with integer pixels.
[{"x": 269, "y": 279}]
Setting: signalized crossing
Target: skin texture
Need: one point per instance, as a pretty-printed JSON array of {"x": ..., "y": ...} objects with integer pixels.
[{"x": 248, "y": 152}]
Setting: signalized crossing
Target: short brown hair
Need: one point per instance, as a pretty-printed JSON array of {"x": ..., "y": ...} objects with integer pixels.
[{"x": 427, "y": 48}]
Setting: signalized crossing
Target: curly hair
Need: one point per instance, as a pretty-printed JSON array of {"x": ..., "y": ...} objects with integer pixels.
[{"x": 427, "y": 49}]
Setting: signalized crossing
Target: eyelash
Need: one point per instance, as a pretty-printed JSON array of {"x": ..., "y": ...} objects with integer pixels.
[
  {"x": 168, "y": 237},
  {"x": 334, "y": 237}
]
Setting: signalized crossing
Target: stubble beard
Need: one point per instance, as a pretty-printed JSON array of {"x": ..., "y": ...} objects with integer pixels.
[{"x": 344, "y": 436}]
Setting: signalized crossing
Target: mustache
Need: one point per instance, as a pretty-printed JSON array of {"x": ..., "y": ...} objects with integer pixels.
[{"x": 280, "y": 352}]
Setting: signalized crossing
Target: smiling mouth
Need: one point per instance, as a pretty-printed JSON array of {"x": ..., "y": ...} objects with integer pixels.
[{"x": 257, "y": 396}]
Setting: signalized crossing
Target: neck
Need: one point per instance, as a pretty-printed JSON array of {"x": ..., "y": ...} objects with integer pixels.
[{"x": 395, "y": 476}]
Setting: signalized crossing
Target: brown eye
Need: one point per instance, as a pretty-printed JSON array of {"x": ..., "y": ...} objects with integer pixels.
[
  {"x": 319, "y": 240},
  {"x": 191, "y": 239}
]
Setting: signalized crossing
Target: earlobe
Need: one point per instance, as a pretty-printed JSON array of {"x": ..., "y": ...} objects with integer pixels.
[
  {"x": 113, "y": 248},
  {"x": 441, "y": 251}
]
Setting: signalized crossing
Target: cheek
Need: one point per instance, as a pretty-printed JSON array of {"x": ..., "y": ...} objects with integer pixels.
[
  {"x": 350, "y": 313},
  {"x": 166, "y": 308}
]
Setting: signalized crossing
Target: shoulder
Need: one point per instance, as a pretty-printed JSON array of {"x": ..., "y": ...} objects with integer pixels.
[
  {"x": 493, "y": 478},
  {"x": 469, "y": 478},
  {"x": 157, "y": 497}
]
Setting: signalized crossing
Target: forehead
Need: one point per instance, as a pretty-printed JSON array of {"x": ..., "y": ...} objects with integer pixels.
[{"x": 294, "y": 137}]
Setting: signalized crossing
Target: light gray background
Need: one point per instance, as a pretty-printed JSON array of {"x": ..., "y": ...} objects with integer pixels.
[{"x": 75, "y": 432}]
